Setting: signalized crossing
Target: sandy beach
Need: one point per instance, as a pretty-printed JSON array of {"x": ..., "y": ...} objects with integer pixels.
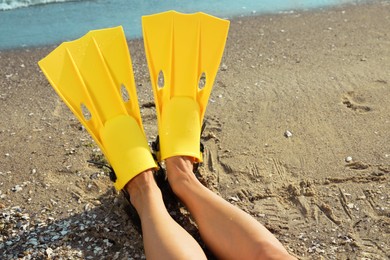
[{"x": 298, "y": 135}]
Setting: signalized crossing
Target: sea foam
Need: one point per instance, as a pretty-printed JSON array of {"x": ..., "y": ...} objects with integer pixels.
[{"x": 13, "y": 4}]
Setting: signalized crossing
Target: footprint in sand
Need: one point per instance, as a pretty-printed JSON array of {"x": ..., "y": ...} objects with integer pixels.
[{"x": 354, "y": 102}]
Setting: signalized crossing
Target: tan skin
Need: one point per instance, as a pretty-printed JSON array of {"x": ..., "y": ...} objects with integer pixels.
[{"x": 229, "y": 232}]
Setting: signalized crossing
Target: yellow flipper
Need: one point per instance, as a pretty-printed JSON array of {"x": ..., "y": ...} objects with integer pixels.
[
  {"x": 93, "y": 75},
  {"x": 182, "y": 50}
]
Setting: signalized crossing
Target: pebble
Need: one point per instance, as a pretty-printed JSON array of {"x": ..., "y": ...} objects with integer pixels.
[
  {"x": 348, "y": 159},
  {"x": 49, "y": 252},
  {"x": 234, "y": 199},
  {"x": 288, "y": 134},
  {"x": 17, "y": 188},
  {"x": 33, "y": 241},
  {"x": 41, "y": 236}
]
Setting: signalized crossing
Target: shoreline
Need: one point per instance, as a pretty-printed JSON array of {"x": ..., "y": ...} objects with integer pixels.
[
  {"x": 232, "y": 19},
  {"x": 321, "y": 75}
]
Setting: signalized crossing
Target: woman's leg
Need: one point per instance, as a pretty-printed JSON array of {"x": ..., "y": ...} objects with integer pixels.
[
  {"x": 163, "y": 237},
  {"x": 228, "y": 231}
]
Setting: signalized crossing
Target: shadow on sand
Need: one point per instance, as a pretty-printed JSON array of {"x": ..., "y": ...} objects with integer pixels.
[{"x": 101, "y": 231}]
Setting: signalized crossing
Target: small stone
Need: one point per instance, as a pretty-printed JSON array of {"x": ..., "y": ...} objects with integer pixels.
[
  {"x": 17, "y": 188},
  {"x": 33, "y": 242},
  {"x": 234, "y": 199},
  {"x": 87, "y": 207},
  {"x": 49, "y": 252},
  {"x": 224, "y": 67},
  {"x": 97, "y": 250},
  {"x": 348, "y": 159},
  {"x": 107, "y": 242},
  {"x": 288, "y": 134},
  {"x": 96, "y": 202}
]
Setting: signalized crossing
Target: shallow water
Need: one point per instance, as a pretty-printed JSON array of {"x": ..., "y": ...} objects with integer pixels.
[{"x": 43, "y": 24}]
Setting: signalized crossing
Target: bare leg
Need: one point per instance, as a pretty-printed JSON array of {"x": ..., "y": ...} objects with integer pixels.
[
  {"x": 163, "y": 237},
  {"x": 228, "y": 231}
]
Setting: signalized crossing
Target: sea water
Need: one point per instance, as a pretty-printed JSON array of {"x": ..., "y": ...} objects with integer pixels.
[{"x": 26, "y": 23}]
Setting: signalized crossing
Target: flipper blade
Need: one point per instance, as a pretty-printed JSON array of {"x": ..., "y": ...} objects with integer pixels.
[
  {"x": 182, "y": 47},
  {"x": 70, "y": 86},
  {"x": 91, "y": 72},
  {"x": 114, "y": 50},
  {"x": 213, "y": 36}
]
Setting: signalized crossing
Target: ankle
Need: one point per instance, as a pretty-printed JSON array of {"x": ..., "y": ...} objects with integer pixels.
[
  {"x": 180, "y": 173},
  {"x": 141, "y": 188}
]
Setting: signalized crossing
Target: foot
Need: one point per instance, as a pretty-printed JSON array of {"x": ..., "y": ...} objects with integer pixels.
[
  {"x": 142, "y": 188},
  {"x": 180, "y": 173}
]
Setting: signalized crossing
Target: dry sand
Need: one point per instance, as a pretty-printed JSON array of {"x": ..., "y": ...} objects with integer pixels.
[{"x": 322, "y": 75}]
